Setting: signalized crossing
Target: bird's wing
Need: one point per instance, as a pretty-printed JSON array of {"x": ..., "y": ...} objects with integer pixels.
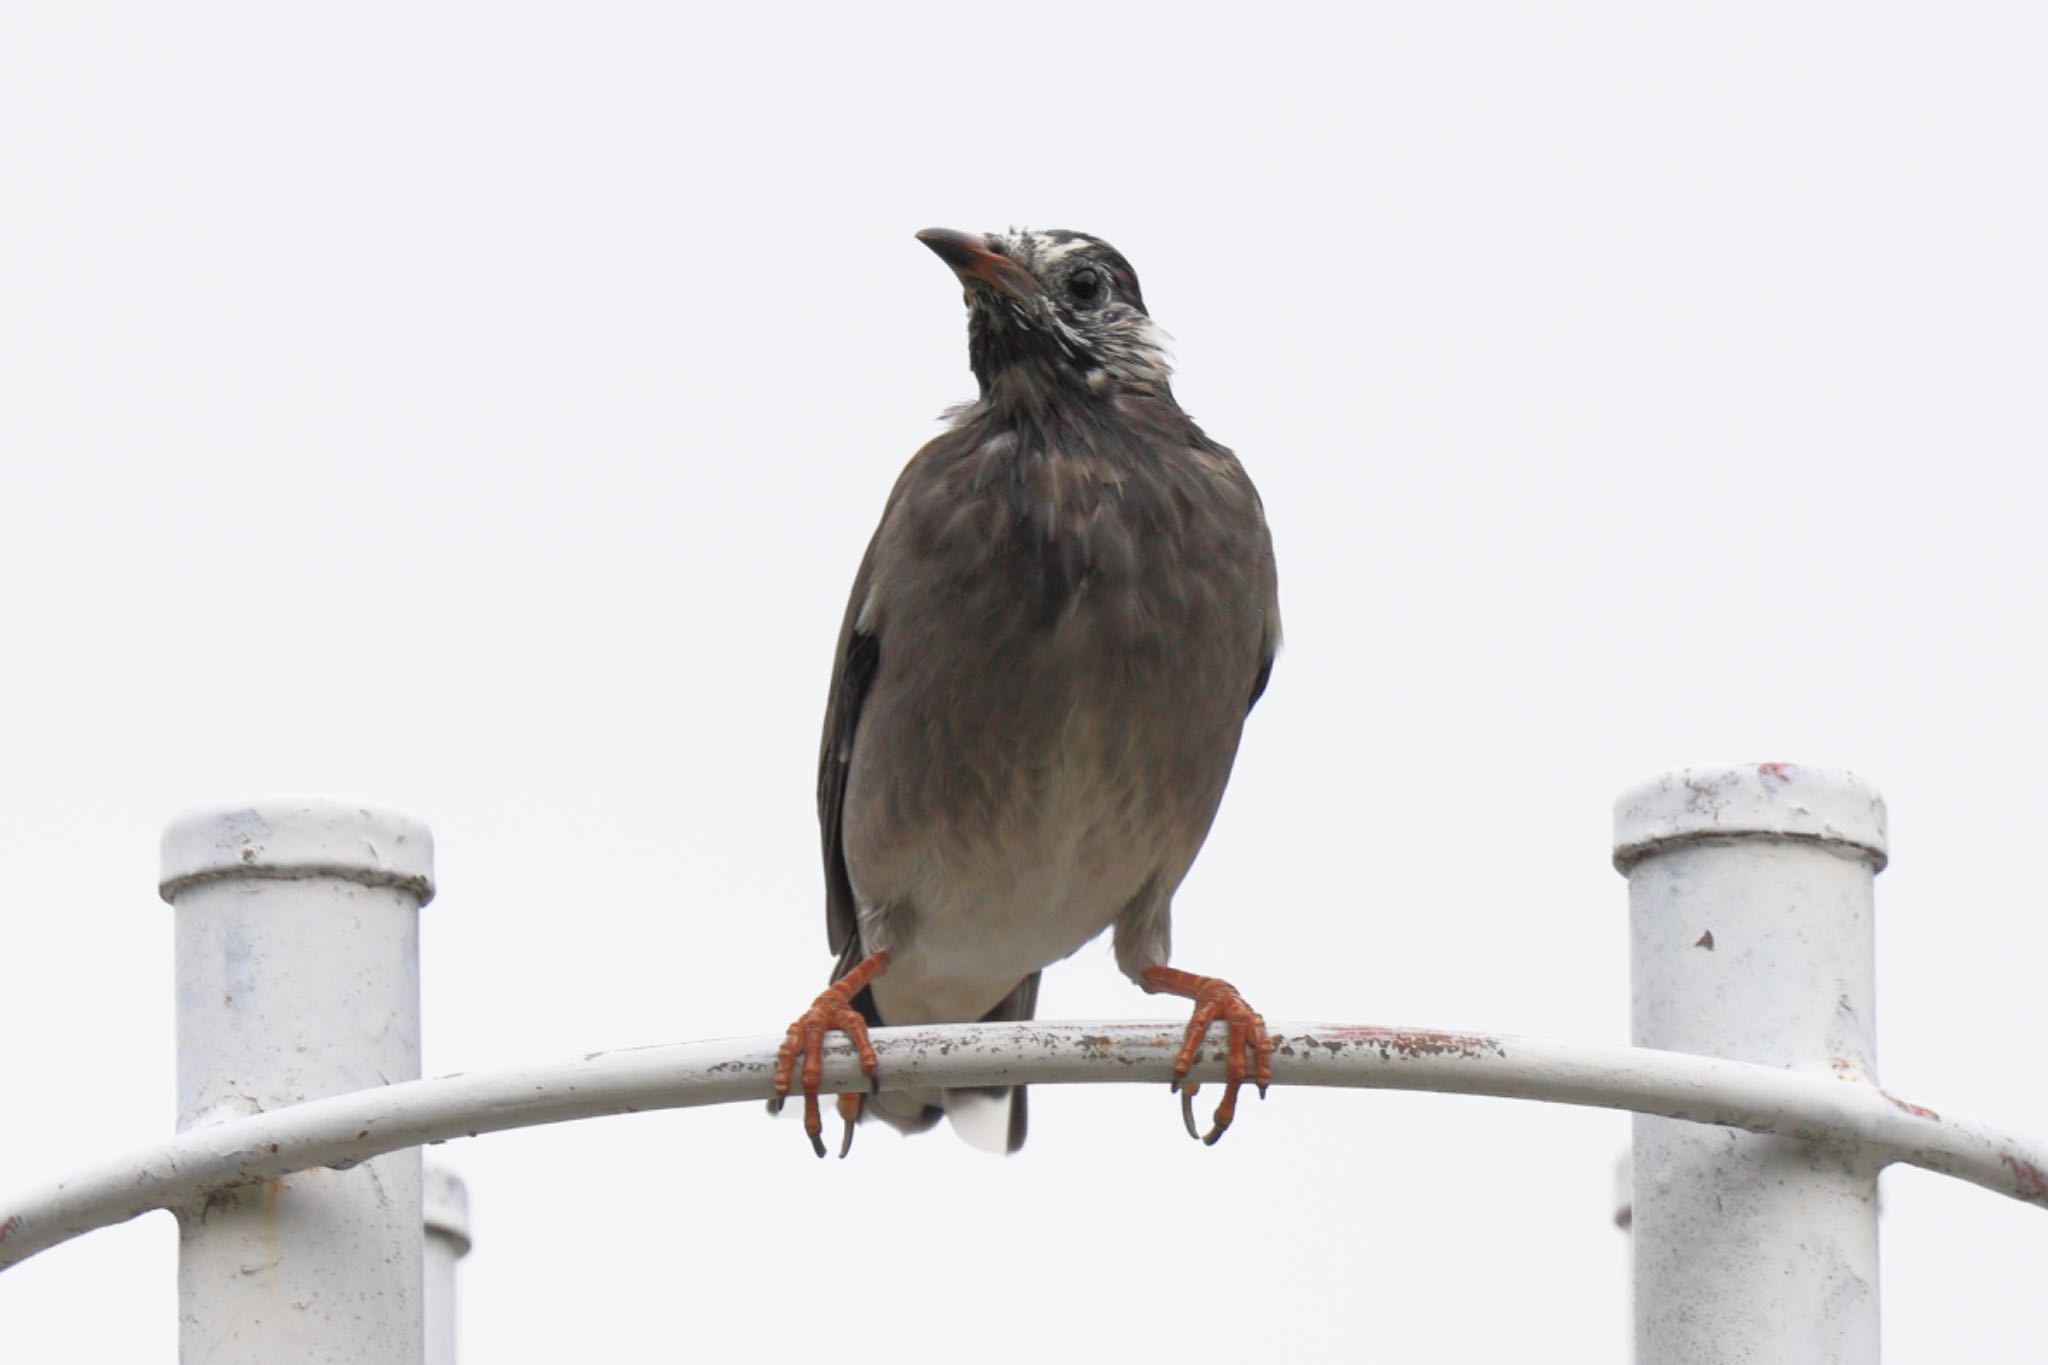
[
  {"x": 853, "y": 673},
  {"x": 1259, "y": 683},
  {"x": 1269, "y": 612}
]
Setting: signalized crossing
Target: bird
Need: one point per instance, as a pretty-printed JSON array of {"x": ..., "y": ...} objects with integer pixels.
[{"x": 1068, "y": 610}]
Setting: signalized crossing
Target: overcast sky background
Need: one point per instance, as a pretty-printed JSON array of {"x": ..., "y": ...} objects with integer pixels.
[{"x": 481, "y": 410}]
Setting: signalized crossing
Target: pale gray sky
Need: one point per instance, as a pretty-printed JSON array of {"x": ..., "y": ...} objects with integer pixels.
[{"x": 481, "y": 410}]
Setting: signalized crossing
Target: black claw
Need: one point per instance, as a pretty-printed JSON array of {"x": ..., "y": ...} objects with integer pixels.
[
  {"x": 845, "y": 1143},
  {"x": 775, "y": 1104},
  {"x": 1214, "y": 1133},
  {"x": 874, "y": 1085},
  {"x": 817, "y": 1144},
  {"x": 1187, "y": 1112},
  {"x": 1262, "y": 1092}
]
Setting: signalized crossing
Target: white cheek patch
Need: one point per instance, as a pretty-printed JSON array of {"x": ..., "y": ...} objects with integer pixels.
[
  {"x": 1157, "y": 340},
  {"x": 1135, "y": 349},
  {"x": 1069, "y": 339}
]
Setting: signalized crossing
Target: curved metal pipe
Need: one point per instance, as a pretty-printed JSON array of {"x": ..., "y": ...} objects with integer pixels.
[{"x": 344, "y": 1130}]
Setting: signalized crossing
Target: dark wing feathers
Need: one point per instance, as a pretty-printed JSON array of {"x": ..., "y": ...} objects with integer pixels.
[
  {"x": 1259, "y": 683},
  {"x": 853, "y": 673}
]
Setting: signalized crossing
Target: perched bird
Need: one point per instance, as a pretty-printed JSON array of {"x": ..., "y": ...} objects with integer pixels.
[{"x": 1050, "y": 650}]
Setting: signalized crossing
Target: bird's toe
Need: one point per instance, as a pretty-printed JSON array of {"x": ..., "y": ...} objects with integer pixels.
[
  {"x": 804, "y": 1041},
  {"x": 1247, "y": 1047}
]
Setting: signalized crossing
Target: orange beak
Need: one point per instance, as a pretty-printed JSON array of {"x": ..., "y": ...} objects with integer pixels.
[{"x": 975, "y": 262}]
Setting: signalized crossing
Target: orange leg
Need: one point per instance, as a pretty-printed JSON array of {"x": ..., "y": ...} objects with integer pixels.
[
  {"x": 832, "y": 1009},
  {"x": 1247, "y": 1049}
]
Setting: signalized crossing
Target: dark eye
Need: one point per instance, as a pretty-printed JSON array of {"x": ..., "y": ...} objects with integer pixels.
[{"x": 1085, "y": 285}]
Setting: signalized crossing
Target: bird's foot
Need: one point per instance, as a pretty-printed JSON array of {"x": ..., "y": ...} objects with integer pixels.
[
  {"x": 833, "y": 1009},
  {"x": 1247, "y": 1049}
]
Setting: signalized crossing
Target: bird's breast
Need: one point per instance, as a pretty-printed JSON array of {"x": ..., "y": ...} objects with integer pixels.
[{"x": 1068, "y": 640}]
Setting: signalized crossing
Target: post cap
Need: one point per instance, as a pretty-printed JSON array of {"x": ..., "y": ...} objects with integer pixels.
[
  {"x": 1750, "y": 800},
  {"x": 298, "y": 836}
]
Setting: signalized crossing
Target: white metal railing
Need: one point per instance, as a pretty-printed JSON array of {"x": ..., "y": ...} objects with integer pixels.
[
  {"x": 343, "y": 1131},
  {"x": 1750, "y": 900}
]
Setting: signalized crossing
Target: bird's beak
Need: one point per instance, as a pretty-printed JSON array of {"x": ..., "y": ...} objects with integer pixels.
[{"x": 975, "y": 263}]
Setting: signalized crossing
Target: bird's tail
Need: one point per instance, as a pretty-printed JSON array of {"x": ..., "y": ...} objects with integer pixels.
[
  {"x": 993, "y": 1117},
  {"x": 990, "y": 1117}
]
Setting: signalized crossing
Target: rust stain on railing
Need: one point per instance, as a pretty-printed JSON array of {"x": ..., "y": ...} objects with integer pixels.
[{"x": 1391, "y": 1043}]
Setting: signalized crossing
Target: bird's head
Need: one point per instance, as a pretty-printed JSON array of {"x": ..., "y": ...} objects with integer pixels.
[{"x": 1062, "y": 307}]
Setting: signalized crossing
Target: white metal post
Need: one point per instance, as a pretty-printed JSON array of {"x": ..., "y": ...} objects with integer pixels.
[
  {"x": 447, "y": 1223},
  {"x": 1751, "y": 930},
  {"x": 298, "y": 977}
]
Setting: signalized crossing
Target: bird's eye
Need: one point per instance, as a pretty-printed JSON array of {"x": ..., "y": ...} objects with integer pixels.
[{"x": 1084, "y": 285}]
